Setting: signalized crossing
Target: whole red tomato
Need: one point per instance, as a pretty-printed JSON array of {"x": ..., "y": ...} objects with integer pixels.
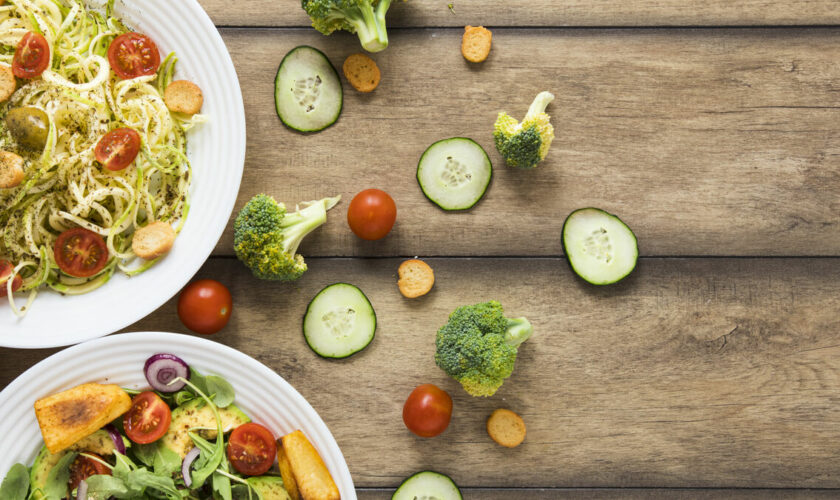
[
  {"x": 205, "y": 306},
  {"x": 427, "y": 410},
  {"x": 372, "y": 214}
]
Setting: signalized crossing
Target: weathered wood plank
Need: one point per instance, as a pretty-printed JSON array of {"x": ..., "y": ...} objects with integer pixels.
[
  {"x": 422, "y": 13},
  {"x": 706, "y": 142},
  {"x": 624, "y": 494},
  {"x": 692, "y": 373}
]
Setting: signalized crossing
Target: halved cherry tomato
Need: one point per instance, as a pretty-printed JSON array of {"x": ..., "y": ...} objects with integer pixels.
[
  {"x": 132, "y": 55},
  {"x": 84, "y": 467},
  {"x": 80, "y": 252},
  {"x": 251, "y": 449},
  {"x": 371, "y": 214},
  {"x": 427, "y": 410},
  {"x": 148, "y": 418},
  {"x": 204, "y": 306},
  {"x": 6, "y": 269},
  {"x": 32, "y": 56},
  {"x": 118, "y": 148}
]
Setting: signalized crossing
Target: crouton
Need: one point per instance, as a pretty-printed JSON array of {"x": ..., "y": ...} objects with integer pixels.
[
  {"x": 183, "y": 96},
  {"x": 416, "y": 278},
  {"x": 11, "y": 170},
  {"x": 506, "y": 428},
  {"x": 313, "y": 480},
  {"x": 475, "y": 45},
  {"x": 7, "y": 80},
  {"x": 286, "y": 473},
  {"x": 71, "y": 415},
  {"x": 362, "y": 72},
  {"x": 152, "y": 241}
]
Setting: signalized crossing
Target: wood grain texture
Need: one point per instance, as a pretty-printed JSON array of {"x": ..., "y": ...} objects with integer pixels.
[
  {"x": 421, "y": 13},
  {"x": 623, "y": 494},
  {"x": 706, "y": 142},
  {"x": 692, "y": 373}
]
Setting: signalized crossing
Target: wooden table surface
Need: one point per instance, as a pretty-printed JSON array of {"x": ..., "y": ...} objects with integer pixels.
[{"x": 709, "y": 126}]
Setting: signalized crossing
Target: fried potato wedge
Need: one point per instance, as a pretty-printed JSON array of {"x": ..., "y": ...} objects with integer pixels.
[
  {"x": 314, "y": 481},
  {"x": 286, "y": 472},
  {"x": 76, "y": 413}
]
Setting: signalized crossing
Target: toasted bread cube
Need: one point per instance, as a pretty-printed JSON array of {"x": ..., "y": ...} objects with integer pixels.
[
  {"x": 362, "y": 72},
  {"x": 11, "y": 170},
  {"x": 506, "y": 428},
  {"x": 476, "y": 43},
  {"x": 311, "y": 475},
  {"x": 286, "y": 472},
  {"x": 152, "y": 241},
  {"x": 7, "y": 80},
  {"x": 416, "y": 278},
  {"x": 183, "y": 96},
  {"x": 71, "y": 415}
]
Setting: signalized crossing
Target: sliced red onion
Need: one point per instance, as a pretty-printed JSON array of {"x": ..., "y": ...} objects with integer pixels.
[
  {"x": 161, "y": 369},
  {"x": 185, "y": 467},
  {"x": 116, "y": 437},
  {"x": 81, "y": 490}
]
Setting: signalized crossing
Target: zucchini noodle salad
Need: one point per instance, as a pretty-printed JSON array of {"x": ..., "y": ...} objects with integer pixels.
[{"x": 92, "y": 152}]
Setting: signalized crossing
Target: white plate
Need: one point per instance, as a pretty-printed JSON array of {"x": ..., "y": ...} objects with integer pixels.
[
  {"x": 261, "y": 393},
  {"x": 217, "y": 152}
]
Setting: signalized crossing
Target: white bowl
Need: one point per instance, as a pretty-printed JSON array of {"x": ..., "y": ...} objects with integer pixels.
[
  {"x": 261, "y": 393},
  {"x": 216, "y": 150}
]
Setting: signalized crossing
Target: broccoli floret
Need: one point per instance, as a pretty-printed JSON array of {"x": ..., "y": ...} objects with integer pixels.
[
  {"x": 266, "y": 236},
  {"x": 525, "y": 144},
  {"x": 478, "y": 346},
  {"x": 365, "y": 18}
]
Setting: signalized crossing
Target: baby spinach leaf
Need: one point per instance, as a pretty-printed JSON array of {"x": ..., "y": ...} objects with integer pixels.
[
  {"x": 16, "y": 484},
  {"x": 145, "y": 453},
  {"x": 56, "y": 485},
  {"x": 102, "y": 487},
  {"x": 167, "y": 462},
  {"x": 221, "y": 391}
]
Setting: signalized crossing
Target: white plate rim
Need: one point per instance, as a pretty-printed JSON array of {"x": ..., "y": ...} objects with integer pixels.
[{"x": 314, "y": 427}]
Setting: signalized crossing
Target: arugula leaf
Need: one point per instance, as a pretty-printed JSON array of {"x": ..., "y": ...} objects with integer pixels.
[
  {"x": 102, "y": 487},
  {"x": 167, "y": 462},
  {"x": 222, "y": 486},
  {"x": 211, "y": 455},
  {"x": 16, "y": 484},
  {"x": 140, "y": 479},
  {"x": 145, "y": 453},
  {"x": 221, "y": 391},
  {"x": 57, "y": 479}
]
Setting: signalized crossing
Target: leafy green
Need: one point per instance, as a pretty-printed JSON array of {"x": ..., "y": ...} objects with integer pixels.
[
  {"x": 211, "y": 453},
  {"x": 16, "y": 484},
  {"x": 102, "y": 487},
  {"x": 56, "y": 485},
  {"x": 220, "y": 390}
]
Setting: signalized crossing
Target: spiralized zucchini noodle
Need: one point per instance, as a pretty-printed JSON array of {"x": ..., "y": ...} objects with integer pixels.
[{"x": 64, "y": 187}]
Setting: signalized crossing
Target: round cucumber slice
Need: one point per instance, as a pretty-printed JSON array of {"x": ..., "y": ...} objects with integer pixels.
[
  {"x": 339, "y": 321},
  {"x": 454, "y": 173},
  {"x": 601, "y": 248},
  {"x": 428, "y": 485},
  {"x": 307, "y": 90}
]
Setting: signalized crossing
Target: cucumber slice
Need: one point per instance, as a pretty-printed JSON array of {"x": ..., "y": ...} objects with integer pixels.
[
  {"x": 601, "y": 248},
  {"x": 427, "y": 485},
  {"x": 307, "y": 90},
  {"x": 454, "y": 173},
  {"x": 339, "y": 321}
]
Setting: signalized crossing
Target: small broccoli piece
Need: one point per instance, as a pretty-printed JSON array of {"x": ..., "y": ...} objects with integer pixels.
[
  {"x": 365, "y": 18},
  {"x": 478, "y": 346},
  {"x": 525, "y": 144},
  {"x": 266, "y": 236}
]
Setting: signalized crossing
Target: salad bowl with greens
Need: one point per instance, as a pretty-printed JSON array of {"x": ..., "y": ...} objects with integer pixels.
[{"x": 192, "y": 416}]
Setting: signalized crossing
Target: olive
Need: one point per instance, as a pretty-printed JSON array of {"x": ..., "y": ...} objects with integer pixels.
[{"x": 29, "y": 126}]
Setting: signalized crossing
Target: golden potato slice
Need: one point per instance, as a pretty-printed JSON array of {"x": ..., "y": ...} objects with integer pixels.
[
  {"x": 311, "y": 475},
  {"x": 286, "y": 472},
  {"x": 76, "y": 413}
]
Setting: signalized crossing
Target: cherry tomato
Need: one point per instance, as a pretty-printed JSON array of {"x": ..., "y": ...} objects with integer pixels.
[
  {"x": 132, "y": 55},
  {"x": 6, "y": 269},
  {"x": 205, "y": 306},
  {"x": 118, "y": 148},
  {"x": 148, "y": 418},
  {"x": 372, "y": 214},
  {"x": 251, "y": 449},
  {"x": 80, "y": 252},
  {"x": 427, "y": 410},
  {"x": 32, "y": 56},
  {"x": 84, "y": 467}
]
